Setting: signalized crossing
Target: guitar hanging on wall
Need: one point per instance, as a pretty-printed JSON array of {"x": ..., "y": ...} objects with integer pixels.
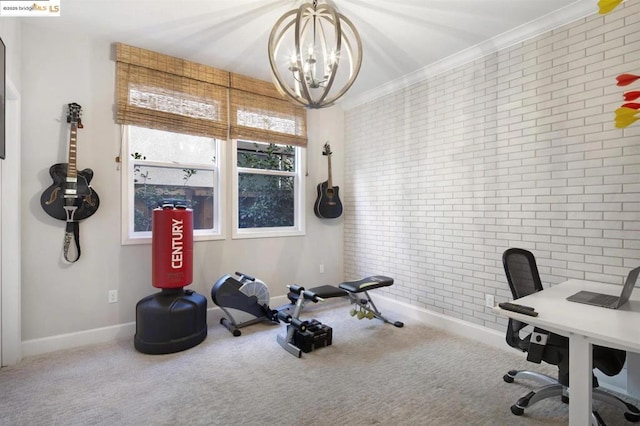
[
  {"x": 328, "y": 204},
  {"x": 70, "y": 197}
]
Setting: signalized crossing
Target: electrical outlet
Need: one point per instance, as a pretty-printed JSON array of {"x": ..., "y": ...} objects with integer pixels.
[
  {"x": 489, "y": 300},
  {"x": 113, "y": 296},
  {"x": 321, "y": 268}
]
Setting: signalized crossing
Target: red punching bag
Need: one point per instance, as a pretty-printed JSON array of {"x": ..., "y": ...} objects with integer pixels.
[{"x": 172, "y": 247}]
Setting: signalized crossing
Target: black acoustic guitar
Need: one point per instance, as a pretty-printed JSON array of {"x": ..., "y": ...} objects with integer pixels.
[
  {"x": 70, "y": 197},
  {"x": 328, "y": 204}
]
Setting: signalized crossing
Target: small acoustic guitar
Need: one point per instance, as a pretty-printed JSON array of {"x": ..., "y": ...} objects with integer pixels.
[
  {"x": 328, "y": 204},
  {"x": 70, "y": 197}
]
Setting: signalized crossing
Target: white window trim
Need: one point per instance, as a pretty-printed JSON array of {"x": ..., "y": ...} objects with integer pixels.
[
  {"x": 128, "y": 237},
  {"x": 298, "y": 228}
]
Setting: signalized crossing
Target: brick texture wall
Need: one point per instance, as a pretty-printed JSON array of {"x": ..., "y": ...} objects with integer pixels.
[{"x": 517, "y": 149}]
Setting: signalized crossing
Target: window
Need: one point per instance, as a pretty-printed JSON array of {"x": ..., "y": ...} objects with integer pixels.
[
  {"x": 161, "y": 165},
  {"x": 178, "y": 118},
  {"x": 268, "y": 187}
]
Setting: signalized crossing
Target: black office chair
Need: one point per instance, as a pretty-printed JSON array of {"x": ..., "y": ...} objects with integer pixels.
[{"x": 541, "y": 345}]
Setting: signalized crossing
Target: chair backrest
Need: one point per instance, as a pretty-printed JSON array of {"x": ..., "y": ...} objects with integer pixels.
[
  {"x": 522, "y": 272},
  {"x": 524, "y": 279}
]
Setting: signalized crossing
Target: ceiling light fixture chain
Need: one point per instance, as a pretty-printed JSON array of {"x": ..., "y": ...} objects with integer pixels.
[{"x": 315, "y": 54}]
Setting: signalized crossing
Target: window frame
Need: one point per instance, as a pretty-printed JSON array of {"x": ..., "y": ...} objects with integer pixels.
[
  {"x": 128, "y": 235},
  {"x": 298, "y": 229}
]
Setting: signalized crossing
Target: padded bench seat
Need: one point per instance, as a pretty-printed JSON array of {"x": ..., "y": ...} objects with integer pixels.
[
  {"x": 369, "y": 283},
  {"x": 328, "y": 291}
]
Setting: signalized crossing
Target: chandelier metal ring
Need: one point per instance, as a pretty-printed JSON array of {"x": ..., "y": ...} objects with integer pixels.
[{"x": 324, "y": 56}]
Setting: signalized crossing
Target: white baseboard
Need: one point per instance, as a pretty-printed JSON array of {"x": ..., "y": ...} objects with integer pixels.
[
  {"x": 74, "y": 340},
  {"x": 90, "y": 337},
  {"x": 443, "y": 322},
  {"x": 401, "y": 311}
]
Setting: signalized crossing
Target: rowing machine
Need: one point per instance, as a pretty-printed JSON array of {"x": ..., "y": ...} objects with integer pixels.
[{"x": 245, "y": 301}]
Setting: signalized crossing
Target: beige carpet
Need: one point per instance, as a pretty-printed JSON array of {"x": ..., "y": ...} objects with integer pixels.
[{"x": 373, "y": 374}]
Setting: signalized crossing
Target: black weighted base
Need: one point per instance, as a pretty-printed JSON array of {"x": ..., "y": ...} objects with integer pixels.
[{"x": 170, "y": 321}]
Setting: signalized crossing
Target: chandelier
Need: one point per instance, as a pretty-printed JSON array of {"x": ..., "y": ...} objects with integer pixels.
[{"x": 315, "y": 55}]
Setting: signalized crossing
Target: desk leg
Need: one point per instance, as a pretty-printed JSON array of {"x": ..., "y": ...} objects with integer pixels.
[{"x": 580, "y": 371}]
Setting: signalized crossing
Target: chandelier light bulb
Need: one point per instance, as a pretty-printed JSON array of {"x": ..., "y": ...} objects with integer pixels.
[{"x": 326, "y": 58}]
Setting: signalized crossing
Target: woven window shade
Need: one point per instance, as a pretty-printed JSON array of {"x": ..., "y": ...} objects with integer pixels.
[
  {"x": 161, "y": 92},
  {"x": 260, "y": 113}
]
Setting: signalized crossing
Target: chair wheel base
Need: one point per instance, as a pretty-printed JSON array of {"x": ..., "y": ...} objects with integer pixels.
[
  {"x": 507, "y": 378},
  {"x": 517, "y": 410}
]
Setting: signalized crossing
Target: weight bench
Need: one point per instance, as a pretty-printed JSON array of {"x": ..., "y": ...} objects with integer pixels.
[{"x": 364, "y": 307}]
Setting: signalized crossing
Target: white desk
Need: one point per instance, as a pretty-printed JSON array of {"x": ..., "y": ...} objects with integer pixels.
[{"x": 584, "y": 325}]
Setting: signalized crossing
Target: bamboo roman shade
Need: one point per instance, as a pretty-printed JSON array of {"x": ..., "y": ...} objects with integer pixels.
[
  {"x": 161, "y": 92},
  {"x": 260, "y": 113}
]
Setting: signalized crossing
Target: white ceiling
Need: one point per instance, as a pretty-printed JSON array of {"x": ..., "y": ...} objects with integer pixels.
[{"x": 399, "y": 37}]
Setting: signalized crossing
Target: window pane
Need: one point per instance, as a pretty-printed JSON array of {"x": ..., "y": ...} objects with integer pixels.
[
  {"x": 153, "y": 184},
  {"x": 158, "y": 145},
  {"x": 265, "y": 201},
  {"x": 266, "y": 156}
]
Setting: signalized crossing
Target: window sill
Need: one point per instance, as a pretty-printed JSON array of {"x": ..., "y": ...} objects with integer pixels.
[
  {"x": 270, "y": 233},
  {"x": 146, "y": 239}
]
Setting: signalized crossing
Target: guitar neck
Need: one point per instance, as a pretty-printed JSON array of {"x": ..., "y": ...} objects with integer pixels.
[
  {"x": 329, "y": 183},
  {"x": 72, "y": 172}
]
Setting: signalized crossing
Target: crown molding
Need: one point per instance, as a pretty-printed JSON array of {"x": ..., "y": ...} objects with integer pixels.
[{"x": 573, "y": 12}]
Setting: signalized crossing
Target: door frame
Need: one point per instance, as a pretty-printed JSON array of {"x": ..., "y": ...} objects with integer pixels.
[{"x": 11, "y": 235}]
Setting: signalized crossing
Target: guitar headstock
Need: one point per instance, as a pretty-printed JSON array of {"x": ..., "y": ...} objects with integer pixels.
[
  {"x": 327, "y": 149},
  {"x": 73, "y": 115}
]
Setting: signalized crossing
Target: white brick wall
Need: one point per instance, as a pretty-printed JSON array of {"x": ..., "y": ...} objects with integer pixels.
[{"x": 516, "y": 149}]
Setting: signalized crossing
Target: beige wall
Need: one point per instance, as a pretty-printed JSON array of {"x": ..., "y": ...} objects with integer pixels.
[{"x": 59, "y": 298}]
